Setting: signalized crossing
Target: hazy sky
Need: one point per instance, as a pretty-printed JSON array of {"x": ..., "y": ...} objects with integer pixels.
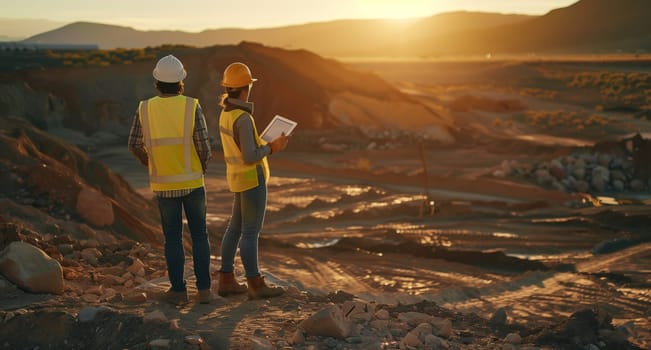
[{"x": 196, "y": 15}]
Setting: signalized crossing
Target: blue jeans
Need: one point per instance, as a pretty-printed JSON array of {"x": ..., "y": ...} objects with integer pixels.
[
  {"x": 171, "y": 215},
  {"x": 244, "y": 228}
]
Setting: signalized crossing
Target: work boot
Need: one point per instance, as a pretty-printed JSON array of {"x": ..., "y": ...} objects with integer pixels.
[
  {"x": 228, "y": 285},
  {"x": 205, "y": 296},
  {"x": 176, "y": 298},
  {"x": 258, "y": 289}
]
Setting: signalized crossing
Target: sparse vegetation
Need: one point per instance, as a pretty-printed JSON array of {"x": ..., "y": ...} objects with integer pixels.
[
  {"x": 502, "y": 123},
  {"x": 618, "y": 90},
  {"x": 563, "y": 119},
  {"x": 12, "y": 60},
  {"x": 539, "y": 93}
]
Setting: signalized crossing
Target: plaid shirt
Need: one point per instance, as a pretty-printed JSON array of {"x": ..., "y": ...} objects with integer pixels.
[{"x": 201, "y": 144}]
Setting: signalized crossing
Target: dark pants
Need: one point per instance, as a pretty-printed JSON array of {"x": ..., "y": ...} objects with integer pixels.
[{"x": 194, "y": 205}]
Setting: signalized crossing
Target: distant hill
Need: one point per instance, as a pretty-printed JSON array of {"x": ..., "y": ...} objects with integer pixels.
[
  {"x": 108, "y": 36},
  {"x": 336, "y": 38},
  {"x": 18, "y": 29},
  {"x": 588, "y": 26}
]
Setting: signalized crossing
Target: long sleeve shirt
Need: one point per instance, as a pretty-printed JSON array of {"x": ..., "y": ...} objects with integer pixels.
[
  {"x": 244, "y": 133},
  {"x": 245, "y": 140},
  {"x": 199, "y": 137}
]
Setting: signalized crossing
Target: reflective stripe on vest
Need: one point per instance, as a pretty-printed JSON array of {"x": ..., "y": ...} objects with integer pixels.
[
  {"x": 173, "y": 160},
  {"x": 239, "y": 175}
]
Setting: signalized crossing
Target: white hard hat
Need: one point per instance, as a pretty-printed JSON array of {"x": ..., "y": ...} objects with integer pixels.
[{"x": 169, "y": 70}]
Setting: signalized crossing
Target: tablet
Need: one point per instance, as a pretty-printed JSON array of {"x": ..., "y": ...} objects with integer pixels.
[{"x": 276, "y": 127}]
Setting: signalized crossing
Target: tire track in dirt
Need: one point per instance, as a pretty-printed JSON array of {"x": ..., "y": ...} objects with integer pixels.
[{"x": 553, "y": 296}]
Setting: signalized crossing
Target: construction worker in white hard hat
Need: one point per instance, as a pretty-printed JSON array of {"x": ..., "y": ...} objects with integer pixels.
[
  {"x": 170, "y": 137},
  {"x": 247, "y": 173}
]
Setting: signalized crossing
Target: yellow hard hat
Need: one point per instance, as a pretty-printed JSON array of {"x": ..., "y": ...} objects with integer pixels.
[{"x": 237, "y": 74}]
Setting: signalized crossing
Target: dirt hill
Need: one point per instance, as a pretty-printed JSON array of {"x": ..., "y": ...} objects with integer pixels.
[
  {"x": 50, "y": 186},
  {"x": 316, "y": 92}
]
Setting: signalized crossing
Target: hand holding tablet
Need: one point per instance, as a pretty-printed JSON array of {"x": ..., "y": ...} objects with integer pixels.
[{"x": 277, "y": 127}]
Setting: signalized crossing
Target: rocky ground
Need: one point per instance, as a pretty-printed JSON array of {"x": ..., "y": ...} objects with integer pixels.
[
  {"x": 112, "y": 299},
  {"x": 71, "y": 282}
]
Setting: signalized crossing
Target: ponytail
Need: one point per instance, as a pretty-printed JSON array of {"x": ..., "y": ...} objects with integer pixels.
[{"x": 222, "y": 99}]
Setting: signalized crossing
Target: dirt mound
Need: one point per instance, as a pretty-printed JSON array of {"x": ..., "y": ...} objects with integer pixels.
[
  {"x": 46, "y": 177},
  {"x": 295, "y": 83}
]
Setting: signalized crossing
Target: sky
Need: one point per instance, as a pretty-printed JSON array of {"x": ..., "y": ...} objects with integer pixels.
[{"x": 198, "y": 15}]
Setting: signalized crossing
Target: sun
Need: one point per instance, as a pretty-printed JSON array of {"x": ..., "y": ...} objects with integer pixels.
[{"x": 396, "y": 9}]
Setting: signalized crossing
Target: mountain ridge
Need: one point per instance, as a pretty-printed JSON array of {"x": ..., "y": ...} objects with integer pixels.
[
  {"x": 362, "y": 37},
  {"x": 587, "y": 26}
]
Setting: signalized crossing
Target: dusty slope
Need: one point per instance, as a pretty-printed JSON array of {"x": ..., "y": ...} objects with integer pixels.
[
  {"x": 51, "y": 186},
  {"x": 316, "y": 92}
]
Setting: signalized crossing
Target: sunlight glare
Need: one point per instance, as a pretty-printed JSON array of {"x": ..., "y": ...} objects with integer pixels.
[{"x": 396, "y": 9}]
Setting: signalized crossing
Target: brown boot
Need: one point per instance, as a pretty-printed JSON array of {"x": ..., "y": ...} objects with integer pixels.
[
  {"x": 176, "y": 298},
  {"x": 258, "y": 289},
  {"x": 228, "y": 285},
  {"x": 205, "y": 296}
]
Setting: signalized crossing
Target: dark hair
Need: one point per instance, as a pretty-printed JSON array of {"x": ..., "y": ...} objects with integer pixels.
[
  {"x": 235, "y": 92},
  {"x": 169, "y": 88},
  {"x": 232, "y": 93}
]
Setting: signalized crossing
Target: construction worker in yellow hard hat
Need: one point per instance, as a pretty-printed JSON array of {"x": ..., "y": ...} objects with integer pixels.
[
  {"x": 247, "y": 173},
  {"x": 170, "y": 137}
]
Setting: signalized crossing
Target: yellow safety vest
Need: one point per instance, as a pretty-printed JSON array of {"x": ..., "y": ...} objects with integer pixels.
[
  {"x": 240, "y": 176},
  {"x": 173, "y": 160}
]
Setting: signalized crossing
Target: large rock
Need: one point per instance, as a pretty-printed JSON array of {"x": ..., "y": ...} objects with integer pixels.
[
  {"x": 31, "y": 269},
  {"x": 94, "y": 207},
  {"x": 557, "y": 170},
  {"x": 328, "y": 322},
  {"x": 414, "y": 318},
  {"x": 578, "y": 170},
  {"x": 582, "y": 186},
  {"x": 600, "y": 178},
  {"x": 637, "y": 185},
  {"x": 543, "y": 177},
  {"x": 9, "y": 232},
  {"x": 442, "y": 327}
]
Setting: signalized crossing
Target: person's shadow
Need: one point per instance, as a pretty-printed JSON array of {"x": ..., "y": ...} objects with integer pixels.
[{"x": 219, "y": 323}]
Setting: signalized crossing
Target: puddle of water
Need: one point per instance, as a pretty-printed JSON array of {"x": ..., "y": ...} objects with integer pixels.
[
  {"x": 353, "y": 191},
  {"x": 396, "y": 200},
  {"x": 505, "y": 235},
  {"x": 555, "y": 257},
  {"x": 557, "y": 220},
  {"x": 554, "y": 140},
  {"x": 317, "y": 244},
  {"x": 326, "y": 214}
]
